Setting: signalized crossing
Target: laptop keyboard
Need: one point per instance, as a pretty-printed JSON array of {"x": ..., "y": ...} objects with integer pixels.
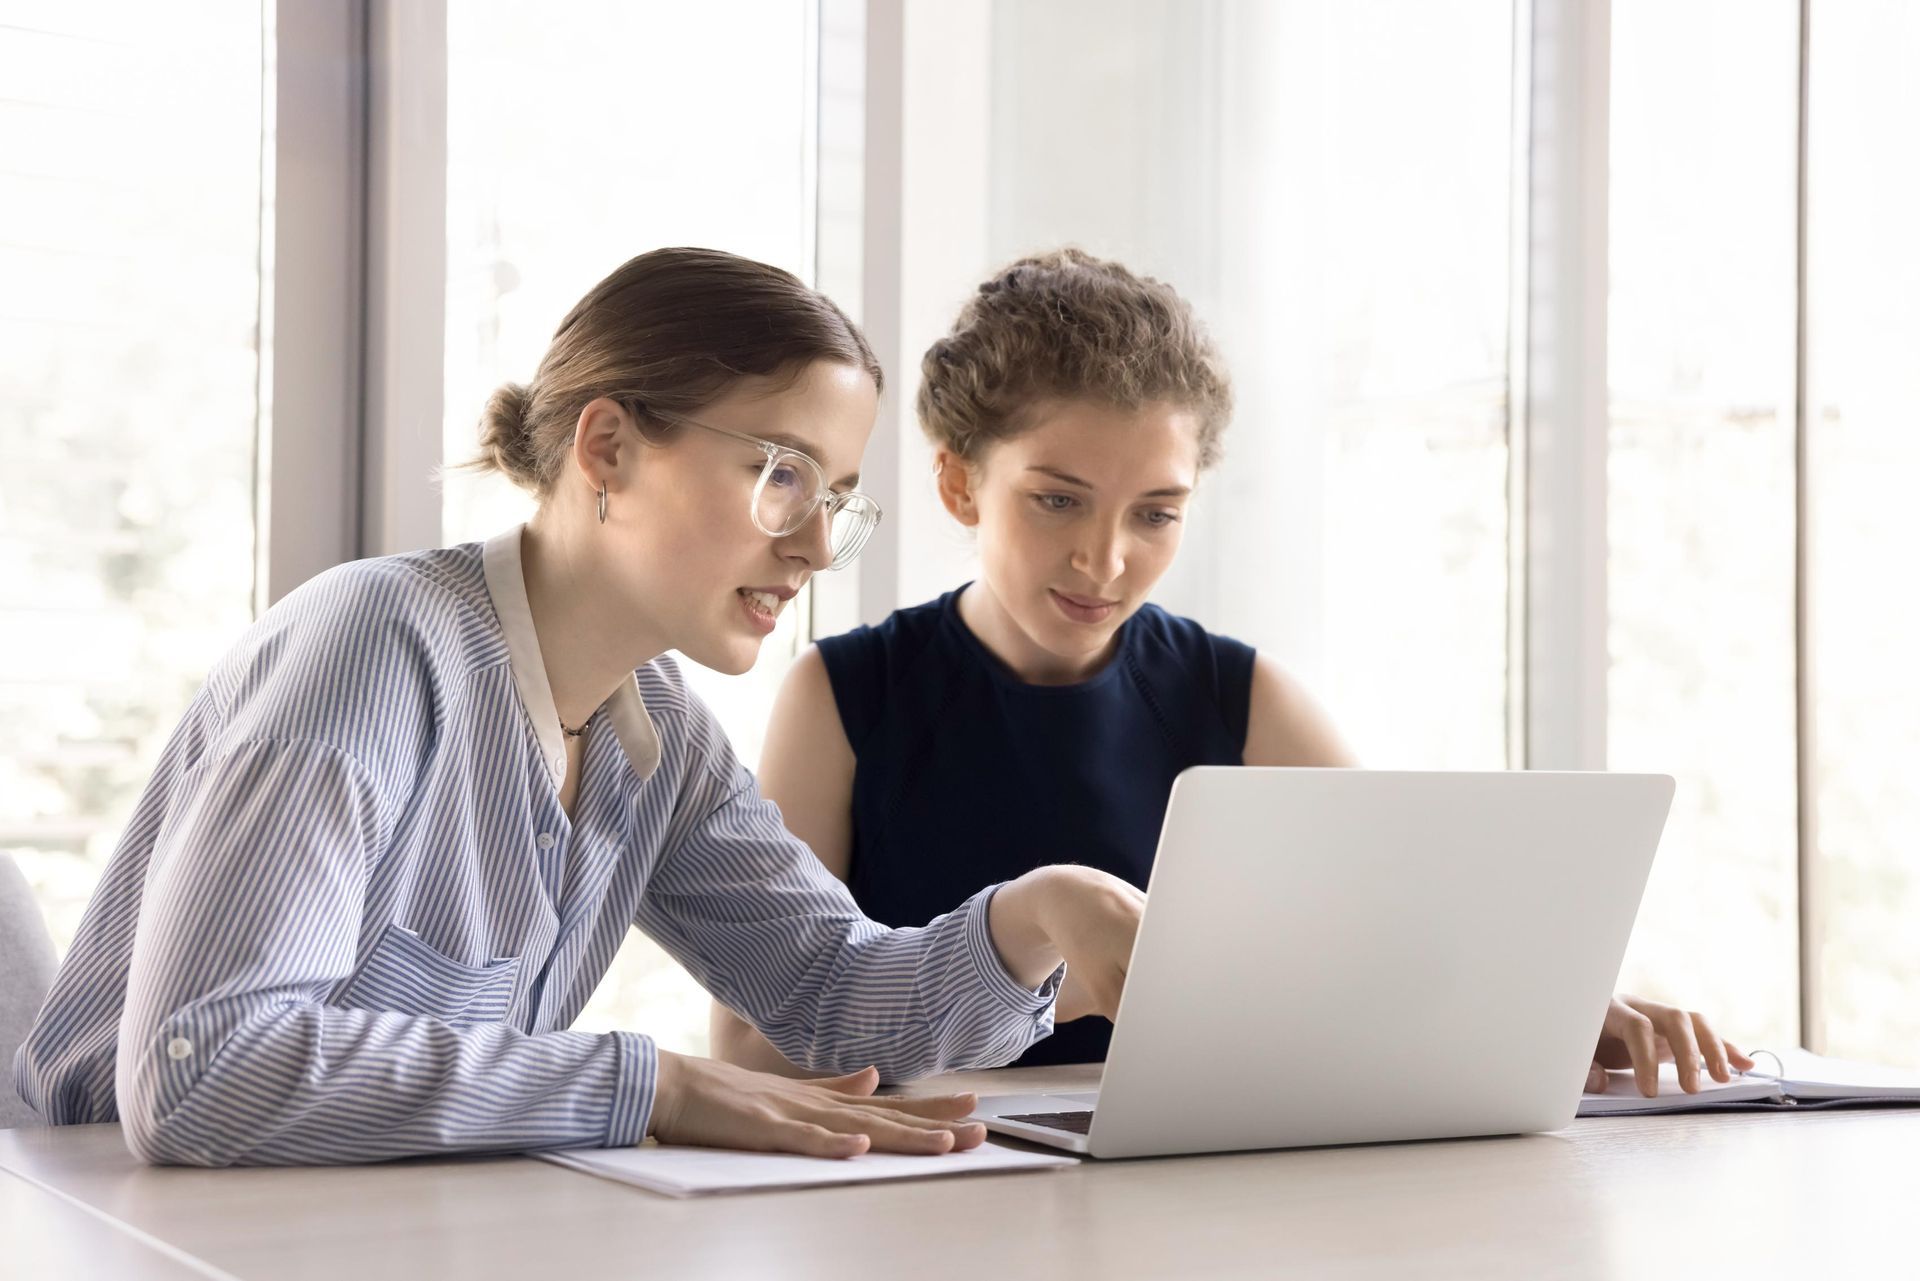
[{"x": 1079, "y": 1121}]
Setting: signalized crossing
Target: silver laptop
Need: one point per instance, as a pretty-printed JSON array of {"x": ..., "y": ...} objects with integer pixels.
[{"x": 1356, "y": 956}]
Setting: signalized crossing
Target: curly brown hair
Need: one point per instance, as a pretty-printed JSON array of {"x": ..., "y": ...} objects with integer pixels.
[{"x": 1065, "y": 325}]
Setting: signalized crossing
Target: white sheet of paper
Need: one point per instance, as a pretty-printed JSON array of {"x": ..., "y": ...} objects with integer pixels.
[
  {"x": 685, "y": 1171},
  {"x": 1817, "y": 1076},
  {"x": 1624, "y": 1096}
]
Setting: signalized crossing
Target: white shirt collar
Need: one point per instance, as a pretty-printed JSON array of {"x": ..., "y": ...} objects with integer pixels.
[{"x": 507, "y": 585}]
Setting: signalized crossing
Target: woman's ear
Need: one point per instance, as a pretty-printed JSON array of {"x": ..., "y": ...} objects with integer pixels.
[
  {"x": 954, "y": 477},
  {"x": 598, "y": 439}
]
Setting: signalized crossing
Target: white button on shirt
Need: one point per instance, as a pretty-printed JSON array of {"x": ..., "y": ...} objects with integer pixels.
[{"x": 348, "y": 950}]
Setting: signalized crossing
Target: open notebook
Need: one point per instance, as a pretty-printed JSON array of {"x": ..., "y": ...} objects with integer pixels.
[{"x": 1800, "y": 1079}]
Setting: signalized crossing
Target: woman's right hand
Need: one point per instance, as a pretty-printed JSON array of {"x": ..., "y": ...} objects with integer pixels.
[
  {"x": 1080, "y": 915},
  {"x": 717, "y": 1105}
]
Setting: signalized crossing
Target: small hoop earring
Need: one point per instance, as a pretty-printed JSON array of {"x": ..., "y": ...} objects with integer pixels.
[{"x": 603, "y": 503}]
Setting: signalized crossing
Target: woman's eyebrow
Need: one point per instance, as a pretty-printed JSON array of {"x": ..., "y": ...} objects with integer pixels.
[
  {"x": 1065, "y": 478},
  {"x": 799, "y": 446},
  {"x": 1068, "y": 478}
]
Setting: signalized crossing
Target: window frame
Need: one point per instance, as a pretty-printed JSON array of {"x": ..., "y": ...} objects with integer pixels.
[{"x": 354, "y": 390}]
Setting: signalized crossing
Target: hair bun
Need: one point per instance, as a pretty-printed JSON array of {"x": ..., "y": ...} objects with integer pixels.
[{"x": 504, "y": 438}]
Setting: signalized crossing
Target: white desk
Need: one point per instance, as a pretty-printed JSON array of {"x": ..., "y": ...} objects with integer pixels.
[{"x": 1807, "y": 1194}]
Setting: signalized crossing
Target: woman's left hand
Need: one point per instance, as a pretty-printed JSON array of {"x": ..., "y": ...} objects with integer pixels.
[{"x": 1643, "y": 1034}]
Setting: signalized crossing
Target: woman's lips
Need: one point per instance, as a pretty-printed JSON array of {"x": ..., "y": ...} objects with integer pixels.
[
  {"x": 757, "y": 614},
  {"x": 1083, "y": 609}
]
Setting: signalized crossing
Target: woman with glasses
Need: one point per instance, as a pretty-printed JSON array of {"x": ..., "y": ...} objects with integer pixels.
[
  {"x": 1043, "y": 711},
  {"x": 398, "y": 837}
]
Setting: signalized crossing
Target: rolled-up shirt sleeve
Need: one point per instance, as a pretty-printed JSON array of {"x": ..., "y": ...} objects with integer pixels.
[
  {"x": 230, "y": 1050},
  {"x": 746, "y": 907}
]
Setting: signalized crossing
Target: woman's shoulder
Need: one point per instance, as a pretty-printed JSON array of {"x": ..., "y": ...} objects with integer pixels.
[
  {"x": 384, "y": 623},
  {"x": 1177, "y": 653},
  {"x": 905, "y": 630},
  {"x": 432, "y": 589},
  {"x": 361, "y": 657},
  {"x": 1164, "y": 632},
  {"x": 866, "y": 666},
  {"x": 877, "y": 653}
]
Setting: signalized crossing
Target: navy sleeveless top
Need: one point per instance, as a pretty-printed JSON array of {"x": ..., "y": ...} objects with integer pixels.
[{"x": 964, "y": 775}]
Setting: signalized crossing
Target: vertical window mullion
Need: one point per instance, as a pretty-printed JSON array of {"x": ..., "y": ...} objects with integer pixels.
[
  {"x": 1565, "y": 408},
  {"x": 1812, "y": 1031},
  {"x": 313, "y": 319},
  {"x": 406, "y": 275}
]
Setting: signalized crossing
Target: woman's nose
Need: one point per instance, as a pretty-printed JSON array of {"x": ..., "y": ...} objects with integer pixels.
[
  {"x": 1101, "y": 558},
  {"x": 813, "y": 541}
]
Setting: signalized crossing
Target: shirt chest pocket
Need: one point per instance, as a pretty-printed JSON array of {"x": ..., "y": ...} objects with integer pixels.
[{"x": 406, "y": 974}]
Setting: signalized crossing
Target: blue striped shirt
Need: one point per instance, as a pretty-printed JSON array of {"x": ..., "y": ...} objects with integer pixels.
[{"x": 349, "y": 919}]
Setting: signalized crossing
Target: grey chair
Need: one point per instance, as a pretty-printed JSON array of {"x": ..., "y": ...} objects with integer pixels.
[{"x": 27, "y": 963}]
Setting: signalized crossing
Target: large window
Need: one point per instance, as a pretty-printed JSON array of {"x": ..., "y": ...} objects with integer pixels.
[
  {"x": 577, "y": 137},
  {"x": 1700, "y": 493},
  {"x": 130, "y": 215},
  {"x": 1376, "y": 371},
  {"x": 1863, "y": 341}
]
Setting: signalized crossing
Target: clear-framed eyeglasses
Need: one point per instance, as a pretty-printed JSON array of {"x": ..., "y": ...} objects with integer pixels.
[{"x": 791, "y": 488}]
